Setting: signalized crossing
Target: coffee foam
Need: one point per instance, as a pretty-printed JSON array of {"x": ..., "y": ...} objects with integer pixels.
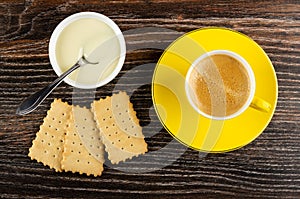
[{"x": 220, "y": 85}]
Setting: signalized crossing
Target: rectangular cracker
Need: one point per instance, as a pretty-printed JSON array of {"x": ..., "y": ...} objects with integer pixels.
[
  {"x": 47, "y": 147},
  {"x": 83, "y": 148},
  {"x": 120, "y": 142},
  {"x": 125, "y": 116}
]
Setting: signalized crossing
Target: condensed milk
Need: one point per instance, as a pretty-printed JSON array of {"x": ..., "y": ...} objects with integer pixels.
[{"x": 94, "y": 36}]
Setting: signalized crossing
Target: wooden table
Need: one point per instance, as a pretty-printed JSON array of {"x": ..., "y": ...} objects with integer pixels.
[{"x": 269, "y": 167}]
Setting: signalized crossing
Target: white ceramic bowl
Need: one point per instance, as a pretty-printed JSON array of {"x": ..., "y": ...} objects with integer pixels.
[{"x": 82, "y": 15}]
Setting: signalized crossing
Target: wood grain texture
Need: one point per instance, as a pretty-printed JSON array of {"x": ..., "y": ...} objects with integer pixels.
[{"x": 269, "y": 167}]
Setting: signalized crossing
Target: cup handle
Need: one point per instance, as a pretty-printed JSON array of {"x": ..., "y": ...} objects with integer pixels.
[{"x": 260, "y": 104}]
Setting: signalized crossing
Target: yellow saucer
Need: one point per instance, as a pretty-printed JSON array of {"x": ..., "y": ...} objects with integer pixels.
[{"x": 178, "y": 116}]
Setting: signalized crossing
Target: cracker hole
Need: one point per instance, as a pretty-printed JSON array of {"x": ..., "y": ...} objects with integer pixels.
[
  {"x": 107, "y": 109},
  {"x": 128, "y": 137},
  {"x": 49, "y": 126},
  {"x": 88, "y": 162},
  {"x": 123, "y": 121},
  {"x": 49, "y": 143},
  {"x": 135, "y": 134},
  {"x": 72, "y": 151},
  {"x": 79, "y": 152},
  {"x": 117, "y": 105},
  {"x": 120, "y": 113},
  {"x": 113, "y": 125},
  {"x": 65, "y": 133},
  {"x": 122, "y": 148},
  {"x": 132, "y": 127},
  {"x": 90, "y": 154},
  {"x": 85, "y": 119},
  {"x": 73, "y": 142},
  {"x": 58, "y": 148},
  {"x": 82, "y": 136},
  {"x": 80, "y": 144},
  {"x": 46, "y": 133},
  {"x": 92, "y": 138},
  {"x": 129, "y": 118},
  {"x": 94, "y": 129},
  {"x": 42, "y": 140},
  {"x": 99, "y": 138},
  {"x": 98, "y": 147},
  {"x": 77, "y": 160},
  {"x": 76, "y": 126},
  {"x": 52, "y": 136},
  {"x": 126, "y": 111},
  {"x": 61, "y": 141},
  {"x": 54, "y": 156},
  {"x": 125, "y": 129},
  {"x": 45, "y": 151},
  {"x": 110, "y": 117},
  {"x": 53, "y": 118},
  {"x": 56, "y": 129},
  {"x": 119, "y": 140},
  {"x": 109, "y": 135},
  {"x": 112, "y": 143},
  {"x": 91, "y": 145},
  {"x": 74, "y": 134},
  {"x": 63, "y": 114},
  {"x": 116, "y": 132},
  {"x": 97, "y": 155},
  {"x": 106, "y": 127},
  {"x": 103, "y": 119},
  {"x": 131, "y": 145}
]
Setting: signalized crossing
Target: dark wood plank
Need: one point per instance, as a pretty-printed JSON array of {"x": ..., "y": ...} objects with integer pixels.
[{"x": 269, "y": 167}]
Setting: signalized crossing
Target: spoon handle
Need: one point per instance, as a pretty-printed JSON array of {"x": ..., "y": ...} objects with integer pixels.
[{"x": 30, "y": 103}]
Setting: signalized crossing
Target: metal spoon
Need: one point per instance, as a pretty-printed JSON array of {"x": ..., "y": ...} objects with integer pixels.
[{"x": 33, "y": 101}]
